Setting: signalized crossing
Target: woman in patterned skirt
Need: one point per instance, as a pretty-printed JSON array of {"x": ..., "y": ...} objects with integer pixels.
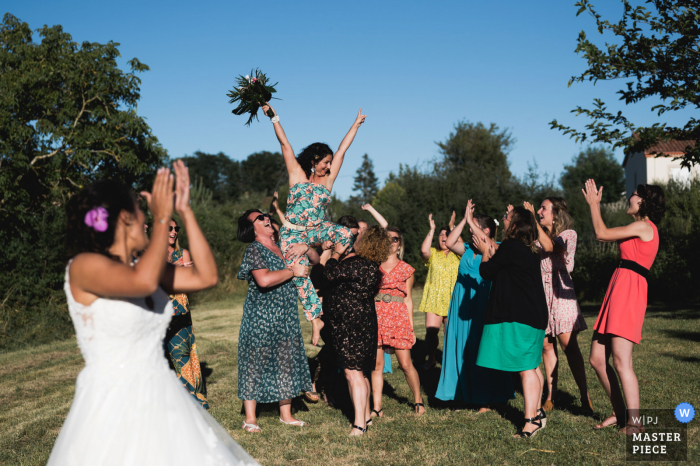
[
  {"x": 394, "y": 306},
  {"x": 443, "y": 265},
  {"x": 272, "y": 364},
  {"x": 557, "y": 244},
  {"x": 310, "y": 184},
  {"x": 180, "y": 344}
]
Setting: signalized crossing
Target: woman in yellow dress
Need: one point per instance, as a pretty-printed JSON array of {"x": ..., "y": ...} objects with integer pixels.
[{"x": 443, "y": 265}]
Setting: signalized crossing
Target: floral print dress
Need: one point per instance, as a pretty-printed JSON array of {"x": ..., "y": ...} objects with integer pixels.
[
  {"x": 306, "y": 207},
  {"x": 181, "y": 347},
  {"x": 564, "y": 312},
  {"x": 394, "y": 322},
  {"x": 272, "y": 363}
]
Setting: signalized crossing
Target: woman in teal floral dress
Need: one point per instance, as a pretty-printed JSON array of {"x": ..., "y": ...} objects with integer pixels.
[
  {"x": 180, "y": 344},
  {"x": 310, "y": 183},
  {"x": 272, "y": 363}
]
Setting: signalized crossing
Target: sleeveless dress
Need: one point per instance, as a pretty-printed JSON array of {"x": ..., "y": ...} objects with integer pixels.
[
  {"x": 181, "y": 347},
  {"x": 392, "y": 318},
  {"x": 129, "y": 408},
  {"x": 461, "y": 379},
  {"x": 625, "y": 303},
  {"x": 272, "y": 363},
  {"x": 564, "y": 312},
  {"x": 442, "y": 275},
  {"x": 306, "y": 206}
]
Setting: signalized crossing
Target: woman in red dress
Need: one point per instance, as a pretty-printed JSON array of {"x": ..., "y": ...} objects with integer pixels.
[
  {"x": 395, "y": 322},
  {"x": 619, "y": 324}
]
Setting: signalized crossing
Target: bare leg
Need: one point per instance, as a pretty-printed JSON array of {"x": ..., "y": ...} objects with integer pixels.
[
  {"x": 569, "y": 344},
  {"x": 549, "y": 356},
  {"x": 432, "y": 329},
  {"x": 378, "y": 381},
  {"x": 532, "y": 392},
  {"x": 600, "y": 353},
  {"x": 286, "y": 411},
  {"x": 249, "y": 407},
  {"x": 403, "y": 356},
  {"x": 357, "y": 387},
  {"x": 622, "y": 358}
]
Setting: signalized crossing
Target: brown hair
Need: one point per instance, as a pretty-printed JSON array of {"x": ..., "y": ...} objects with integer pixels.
[
  {"x": 396, "y": 230},
  {"x": 561, "y": 220},
  {"x": 375, "y": 245},
  {"x": 653, "y": 204},
  {"x": 523, "y": 227}
]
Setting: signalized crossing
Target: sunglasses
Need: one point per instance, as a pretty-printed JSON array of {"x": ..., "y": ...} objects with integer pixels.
[
  {"x": 394, "y": 239},
  {"x": 174, "y": 228},
  {"x": 261, "y": 217}
]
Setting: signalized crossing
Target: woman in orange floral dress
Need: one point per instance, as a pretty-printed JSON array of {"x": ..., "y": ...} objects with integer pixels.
[{"x": 395, "y": 322}]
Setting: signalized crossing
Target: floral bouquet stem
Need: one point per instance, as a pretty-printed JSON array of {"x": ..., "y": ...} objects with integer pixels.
[{"x": 251, "y": 92}]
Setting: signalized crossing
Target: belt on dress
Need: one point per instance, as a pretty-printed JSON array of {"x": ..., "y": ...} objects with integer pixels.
[
  {"x": 291, "y": 226},
  {"x": 634, "y": 267},
  {"x": 387, "y": 298}
]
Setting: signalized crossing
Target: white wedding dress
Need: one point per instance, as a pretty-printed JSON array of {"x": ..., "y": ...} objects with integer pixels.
[{"x": 129, "y": 408}]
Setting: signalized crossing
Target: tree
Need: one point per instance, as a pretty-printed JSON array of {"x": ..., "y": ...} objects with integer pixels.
[
  {"x": 263, "y": 172},
  {"x": 659, "y": 57},
  {"x": 599, "y": 164},
  {"x": 366, "y": 182},
  {"x": 67, "y": 117},
  {"x": 218, "y": 173}
]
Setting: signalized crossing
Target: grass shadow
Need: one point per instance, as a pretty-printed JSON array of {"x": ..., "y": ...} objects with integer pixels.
[
  {"x": 683, "y": 335},
  {"x": 677, "y": 357}
]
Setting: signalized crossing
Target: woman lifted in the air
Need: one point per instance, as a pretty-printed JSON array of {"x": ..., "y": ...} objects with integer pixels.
[{"x": 304, "y": 224}]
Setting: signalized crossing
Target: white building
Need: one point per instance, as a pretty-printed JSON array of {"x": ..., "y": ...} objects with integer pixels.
[{"x": 643, "y": 168}]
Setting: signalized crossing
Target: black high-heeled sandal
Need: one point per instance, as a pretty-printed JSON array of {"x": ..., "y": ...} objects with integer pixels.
[
  {"x": 359, "y": 428},
  {"x": 377, "y": 412},
  {"x": 542, "y": 416},
  {"x": 525, "y": 434},
  {"x": 417, "y": 406}
]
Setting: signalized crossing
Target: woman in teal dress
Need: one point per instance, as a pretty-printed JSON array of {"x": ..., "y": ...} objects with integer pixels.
[
  {"x": 310, "y": 183},
  {"x": 461, "y": 379},
  {"x": 180, "y": 343},
  {"x": 272, "y": 363}
]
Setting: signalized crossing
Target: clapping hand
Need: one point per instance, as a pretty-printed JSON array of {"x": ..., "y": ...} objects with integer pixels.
[
  {"x": 451, "y": 225},
  {"x": 160, "y": 199},
  {"x": 182, "y": 187},
  {"x": 593, "y": 196},
  {"x": 469, "y": 211},
  {"x": 530, "y": 207},
  {"x": 432, "y": 222}
]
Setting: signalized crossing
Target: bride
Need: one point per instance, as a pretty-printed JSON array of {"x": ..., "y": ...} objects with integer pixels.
[{"x": 129, "y": 408}]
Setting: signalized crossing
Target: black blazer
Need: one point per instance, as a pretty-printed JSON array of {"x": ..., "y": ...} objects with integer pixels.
[{"x": 517, "y": 293}]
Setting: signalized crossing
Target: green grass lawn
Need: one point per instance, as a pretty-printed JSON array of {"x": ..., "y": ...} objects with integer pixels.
[{"x": 38, "y": 386}]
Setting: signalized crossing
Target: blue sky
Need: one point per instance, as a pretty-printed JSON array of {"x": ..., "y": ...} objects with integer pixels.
[{"x": 414, "y": 67}]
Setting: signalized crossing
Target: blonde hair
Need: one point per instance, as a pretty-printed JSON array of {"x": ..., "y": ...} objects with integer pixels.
[
  {"x": 396, "y": 230},
  {"x": 375, "y": 245}
]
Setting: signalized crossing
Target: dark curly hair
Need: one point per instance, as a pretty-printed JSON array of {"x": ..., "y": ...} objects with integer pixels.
[
  {"x": 111, "y": 195},
  {"x": 311, "y": 155},
  {"x": 375, "y": 245},
  {"x": 523, "y": 227},
  {"x": 246, "y": 228},
  {"x": 653, "y": 203}
]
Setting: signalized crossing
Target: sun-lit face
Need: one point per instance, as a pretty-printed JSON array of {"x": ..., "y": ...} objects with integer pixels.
[
  {"x": 323, "y": 167},
  {"x": 395, "y": 242},
  {"x": 507, "y": 219},
  {"x": 545, "y": 214},
  {"x": 633, "y": 204},
  {"x": 172, "y": 234},
  {"x": 361, "y": 230},
  {"x": 442, "y": 240},
  {"x": 261, "y": 226}
]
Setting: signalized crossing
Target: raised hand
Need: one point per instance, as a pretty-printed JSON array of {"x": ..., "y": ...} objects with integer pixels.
[
  {"x": 360, "y": 118},
  {"x": 267, "y": 107},
  {"x": 592, "y": 194},
  {"x": 275, "y": 207},
  {"x": 469, "y": 211},
  {"x": 366, "y": 207},
  {"x": 432, "y": 222},
  {"x": 530, "y": 207},
  {"x": 451, "y": 225},
  {"x": 160, "y": 199},
  {"x": 182, "y": 187}
]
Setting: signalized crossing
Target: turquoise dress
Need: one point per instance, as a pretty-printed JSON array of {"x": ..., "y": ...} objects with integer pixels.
[{"x": 461, "y": 379}]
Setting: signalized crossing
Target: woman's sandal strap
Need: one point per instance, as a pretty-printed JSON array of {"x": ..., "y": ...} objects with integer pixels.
[
  {"x": 534, "y": 421},
  {"x": 377, "y": 412},
  {"x": 359, "y": 428}
]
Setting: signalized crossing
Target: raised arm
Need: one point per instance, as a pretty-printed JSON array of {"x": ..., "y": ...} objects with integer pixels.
[
  {"x": 428, "y": 241},
  {"x": 377, "y": 216},
  {"x": 593, "y": 196},
  {"x": 545, "y": 240},
  {"x": 294, "y": 170},
  {"x": 275, "y": 207},
  {"x": 475, "y": 227},
  {"x": 203, "y": 272},
  {"x": 339, "y": 156},
  {"x": 454, "y": 240}
]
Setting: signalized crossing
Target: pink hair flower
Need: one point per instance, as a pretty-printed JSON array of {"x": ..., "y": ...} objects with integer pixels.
[{"x": 97, "y": 219}]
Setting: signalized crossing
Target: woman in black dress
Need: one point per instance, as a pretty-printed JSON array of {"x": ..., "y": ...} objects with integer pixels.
[{"x": 349, "y": 302}]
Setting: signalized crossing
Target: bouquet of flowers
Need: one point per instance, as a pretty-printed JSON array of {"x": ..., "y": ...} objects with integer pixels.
[{"x": 251, "y": 91}]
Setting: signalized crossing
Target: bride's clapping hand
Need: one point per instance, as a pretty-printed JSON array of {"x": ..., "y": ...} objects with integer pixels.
[
  {"x": 182, "y": 187},
  {"x": 160, "y": 199}
]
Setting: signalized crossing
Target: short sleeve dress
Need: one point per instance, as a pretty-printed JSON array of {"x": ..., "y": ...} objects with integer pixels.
[
  {"x": 394, "y": 322},
  {"x": 272, "y": 363},
  {"x": 442, "y": 275},
  {"x": 564, "y": 312}
]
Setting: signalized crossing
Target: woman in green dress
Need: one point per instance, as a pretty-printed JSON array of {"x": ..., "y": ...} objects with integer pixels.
[
  {"x": 180, "y": 344},
  {"x": 272, "y": 363},
  {"x": 516, "y": 314}
]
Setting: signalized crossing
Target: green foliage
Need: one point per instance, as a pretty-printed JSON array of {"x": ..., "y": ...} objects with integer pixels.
[
  {"x": 67, "y": 117},
  {"x": 365, "y": 183},
  {"x": 250, "y": 92},
  {"x": 658, "y": 57}
]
